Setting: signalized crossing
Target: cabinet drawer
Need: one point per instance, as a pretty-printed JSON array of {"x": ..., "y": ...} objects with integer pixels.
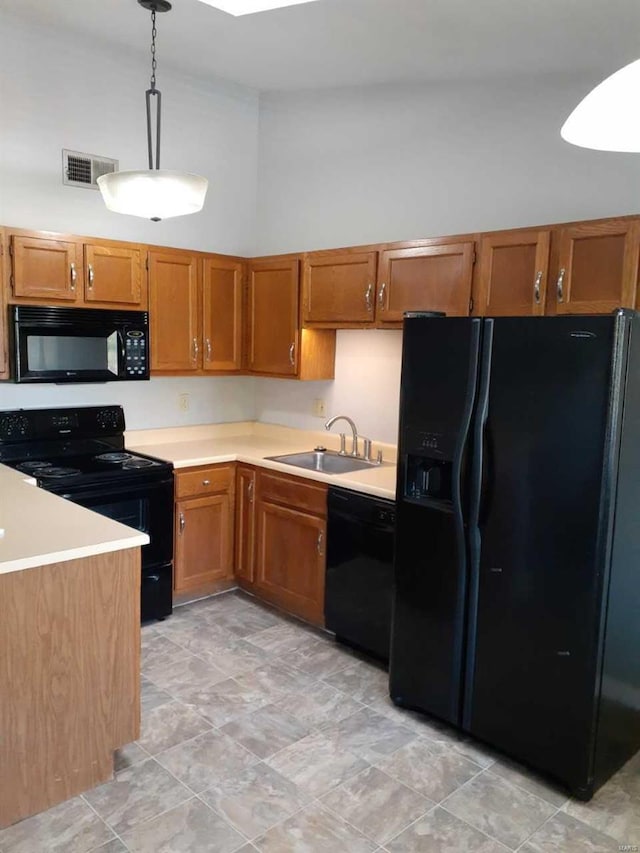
[
  {"x": 204, "y": 481},
  {"x": 301, "y": 494}
]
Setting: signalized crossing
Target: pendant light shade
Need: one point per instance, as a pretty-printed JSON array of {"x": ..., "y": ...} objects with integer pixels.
[
  {"x": 153, "y": 193},
  {"x": 607, "y": 119}
]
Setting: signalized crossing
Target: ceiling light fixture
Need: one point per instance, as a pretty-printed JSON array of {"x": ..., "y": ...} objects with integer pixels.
[
  {"x": 248, "y": 7},
  {"x": 607, "y": 118},
  {"x": 154, "y": 193}
]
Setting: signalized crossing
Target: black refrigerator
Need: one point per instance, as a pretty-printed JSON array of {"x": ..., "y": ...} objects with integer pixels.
[{"x": 516, "y": 612}]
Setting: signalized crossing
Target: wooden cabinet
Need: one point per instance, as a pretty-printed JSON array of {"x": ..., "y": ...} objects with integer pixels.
[
  {"x": 277, "y": 346},
  {"x": 512, "y": 273},
  {"x": 204, "y": 524},
  {"x": 596, "y": 266},
  {"x": 246, "y": 476},
  {"x": 195, "y": 312},
  {"x": 351, "y": 289},
  {"x": 339, "y": 288},
  {"x": 51, "y": 268},
  {"x": 4, "y": 332},
  {"x": 290, "y": 550}
]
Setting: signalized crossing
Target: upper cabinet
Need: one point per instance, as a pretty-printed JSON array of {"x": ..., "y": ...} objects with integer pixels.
[
  {"x": 512, "y": 273},
  {"x": 4, "y": 342},
  {"x": 195, "y": 312},
  {"x": 596, "y": 266},
  {"x": 358, "y": 288},
  {"x": 277, "y": 346},
  {"x": 50, "y": 268},
  {"x": 435, "y": 277}
]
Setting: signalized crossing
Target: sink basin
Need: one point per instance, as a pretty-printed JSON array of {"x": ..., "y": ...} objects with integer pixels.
[{"x": 327, "y": 461}]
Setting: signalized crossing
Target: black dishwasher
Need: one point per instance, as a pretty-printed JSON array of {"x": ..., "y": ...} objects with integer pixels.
[{"x": 359, "y": 582}]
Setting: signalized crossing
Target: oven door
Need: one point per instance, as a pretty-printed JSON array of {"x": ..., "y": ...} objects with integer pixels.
[{"x": 145, "y": 506}]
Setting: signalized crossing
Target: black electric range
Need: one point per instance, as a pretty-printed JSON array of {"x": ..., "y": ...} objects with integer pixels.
[{"x": 79, "y": 453}]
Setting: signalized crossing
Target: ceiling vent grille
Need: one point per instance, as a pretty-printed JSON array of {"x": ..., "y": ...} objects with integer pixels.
[{"x": 83, "y": 170}]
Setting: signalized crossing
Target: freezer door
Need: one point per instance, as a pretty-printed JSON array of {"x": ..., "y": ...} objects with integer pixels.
[
  {"x": 438, "y": 387},
  {"x": 548, "y": 443}
]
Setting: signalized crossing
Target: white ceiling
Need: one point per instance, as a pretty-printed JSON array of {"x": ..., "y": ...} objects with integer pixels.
[{"x": 359, "y": 42}]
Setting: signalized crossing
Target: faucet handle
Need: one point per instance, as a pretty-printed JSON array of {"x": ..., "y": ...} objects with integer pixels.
[{"x": 366, "y": 450}]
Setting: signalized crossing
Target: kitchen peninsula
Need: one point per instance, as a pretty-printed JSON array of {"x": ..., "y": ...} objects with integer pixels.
[{"x": 70, "y": 639}]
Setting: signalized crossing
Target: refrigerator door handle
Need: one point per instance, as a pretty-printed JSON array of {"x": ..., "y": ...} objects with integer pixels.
[{"x": 479, "y": 496}]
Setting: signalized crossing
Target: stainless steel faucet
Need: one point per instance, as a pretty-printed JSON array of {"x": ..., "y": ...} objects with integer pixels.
[{"x": 354, "y": 432}]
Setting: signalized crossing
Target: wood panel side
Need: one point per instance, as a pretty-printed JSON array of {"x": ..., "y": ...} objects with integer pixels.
[{"x": 69, "y": 677}]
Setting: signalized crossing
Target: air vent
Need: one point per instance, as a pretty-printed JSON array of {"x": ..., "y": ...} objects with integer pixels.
[{"x": 83, "y": 170}]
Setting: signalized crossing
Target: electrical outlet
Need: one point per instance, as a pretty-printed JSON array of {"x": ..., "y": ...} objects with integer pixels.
[
  {"x": 183, "y": 402},
  {"x": 319, "y": 408}
]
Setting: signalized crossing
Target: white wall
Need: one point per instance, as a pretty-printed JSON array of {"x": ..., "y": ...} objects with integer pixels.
[
  {"x": 64, "y": 94},
  {"x": 347, "y": 167}
]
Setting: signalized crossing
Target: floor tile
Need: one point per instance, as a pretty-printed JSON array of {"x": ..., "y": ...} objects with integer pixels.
[
  {"x": 70, "y": 827},
  {"x": 283, "y": 638},
  {"x": 206, "y": 760},
  {"x": 186, "y": 675},
  {"x": 136, "y": 795},
  {"x": 433, "y": 769},
  {"x": 316, "y": 764},
  {"x": 441, "y": 832},
  {"x": 129, "y": 755},
  {"x": 158, "y": 650},
  {"x": 379, "y": 806},
  {"x": 320, "y": 658},
  {"x": 275, "y": 679},
  {"x": 368, "y": 734},
  {"x": 614, "y": 808},
  {"x": 151, "y": 696},
  {"x": 499, "y": 809},
  {"x": 319, "y": 706},
  {"x": 233, "y": 655},
  {"x": 314, "y": 830},
  {"x": 523, "y": 778},
  {"x": 115, "y": 846},
  {"x": 565, "y": 834},
  {"x": 361, "y": 681},
  {"x": 255, "y": 799},
  {"x": 220, "y": 703},
  {"x": 188, "y": 828},
  {"x": 169, "y": 725},
  {"x": 245, "y": 621},
  {"x": 266, "y": 730}
]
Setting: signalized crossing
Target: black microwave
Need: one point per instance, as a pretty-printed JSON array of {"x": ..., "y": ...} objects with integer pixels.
[{"x": 52, "y": 344}]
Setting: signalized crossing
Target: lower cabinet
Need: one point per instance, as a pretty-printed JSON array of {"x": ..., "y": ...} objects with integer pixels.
[
  {"x": 281, "y": 556},
  {"x": 204, "y": 526}
]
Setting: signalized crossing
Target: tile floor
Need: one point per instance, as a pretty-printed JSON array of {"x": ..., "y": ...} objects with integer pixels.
[{"x": 262, "y": 734}]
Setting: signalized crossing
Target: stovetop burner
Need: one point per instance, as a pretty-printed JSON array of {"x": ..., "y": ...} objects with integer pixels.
[
  {"x": 56, "y": 472},
  {"x": 33, "y": 465},
  {"x": 139, "y": 463},
  {"x": 114, "y": 457}
]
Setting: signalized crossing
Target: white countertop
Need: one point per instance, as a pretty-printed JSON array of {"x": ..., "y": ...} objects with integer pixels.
[
  {"x": 40, "y": 528},
  {"x": 251, "y": 442}
]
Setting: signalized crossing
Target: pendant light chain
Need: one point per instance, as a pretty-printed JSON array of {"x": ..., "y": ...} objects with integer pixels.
[{"x": 154, "y": 64}]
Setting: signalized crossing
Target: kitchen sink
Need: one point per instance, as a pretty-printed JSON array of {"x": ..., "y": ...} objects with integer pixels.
[{"x": 327, "y": 461}]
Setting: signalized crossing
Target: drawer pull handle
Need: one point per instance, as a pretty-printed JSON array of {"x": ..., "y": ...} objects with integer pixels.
[
  {"x": 320, "y": 543},
  {"x": 182, "y": 522},
  {"x": 250, "y": 491},
  {"x": 90, "y": 276},
  {"x": 208, "y": 349},
  {"x": 367, "y": 297},
  {"x": 292, "y": 357},
  {"x": 206, "y": 482},
  {"x": 381, "y": 301},
  {"x": 74, "y": 275},
  {"x": 559, "y": 286},
  {"x": 536, "y": 287},
  {"x": 195, "y": 349}
]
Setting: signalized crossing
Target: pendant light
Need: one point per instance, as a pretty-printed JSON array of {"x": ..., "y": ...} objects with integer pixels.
[
  {"x": 153, "y": 193},
  {"x": 607, "y": 119}
]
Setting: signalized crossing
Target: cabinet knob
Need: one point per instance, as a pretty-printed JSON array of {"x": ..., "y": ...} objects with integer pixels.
[{"x": 206, "y": 482}]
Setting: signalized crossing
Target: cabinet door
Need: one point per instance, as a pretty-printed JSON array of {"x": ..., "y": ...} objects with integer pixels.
[
  {"x": 597, "y": 267},
  {"x": 46, "y": 269},
  {"x": 174, "y": 312},
  {"x": 203, "y": 537},
  {"x": 512, "y": 274},
  {"x": 222, "y": 314},
  {"x": 273, "y": 317},
  {"x": 425, "y": 278},
  {"x": 4, "y": 340},
  {"x": 290, "y": 560},
  {"x": 245, "y": 523},
  {"x": 339, "y": 287},
  {"x": 113, "y": 274}
]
